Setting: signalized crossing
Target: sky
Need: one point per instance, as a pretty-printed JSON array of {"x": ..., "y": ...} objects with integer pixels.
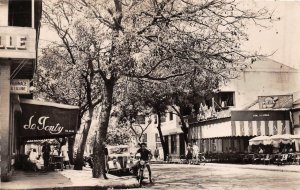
[
  {"x": 282, "y": 40},
  {"x": 283, "y": 37}
]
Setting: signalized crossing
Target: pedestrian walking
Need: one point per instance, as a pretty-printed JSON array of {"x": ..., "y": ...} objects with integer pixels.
[{"x": 156, "y": 153}]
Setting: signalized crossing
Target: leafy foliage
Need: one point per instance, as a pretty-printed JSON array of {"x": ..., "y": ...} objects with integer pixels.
[{"x": 151, "y": 40}]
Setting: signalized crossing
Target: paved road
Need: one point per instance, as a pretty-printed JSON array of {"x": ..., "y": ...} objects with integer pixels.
[{"x": 187, "y": 177}]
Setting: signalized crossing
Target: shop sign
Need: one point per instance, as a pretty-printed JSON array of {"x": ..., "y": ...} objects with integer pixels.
[
  {"x": 275, "y": 102},
  {"x": 47, "y": 121},
  {"x": 19, "y": 86},
  {"x": 261, "y": 115},
  {"x": 20, "y": 42},
  {"x": 17, "y": 42}
]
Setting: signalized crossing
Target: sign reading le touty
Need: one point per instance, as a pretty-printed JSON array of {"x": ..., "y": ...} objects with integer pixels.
[{"x": 42, "y": 121}]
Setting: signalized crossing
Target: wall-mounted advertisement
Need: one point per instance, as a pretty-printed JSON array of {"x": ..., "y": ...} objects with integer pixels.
[{"x": 275, "y": 102}]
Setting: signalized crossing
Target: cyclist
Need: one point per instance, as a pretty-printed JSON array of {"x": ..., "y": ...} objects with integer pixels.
[{"x": 145, "y": 155}]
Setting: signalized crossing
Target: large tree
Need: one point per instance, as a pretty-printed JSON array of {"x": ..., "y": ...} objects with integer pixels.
[
  {"x": 151, "y": 40},
  {"x": 61, "y": 80}
]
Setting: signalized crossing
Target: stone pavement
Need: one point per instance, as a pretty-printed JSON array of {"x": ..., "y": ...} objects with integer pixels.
[
  {"x": 270, "y": 167},
  {"x": 67, "y": 179}
]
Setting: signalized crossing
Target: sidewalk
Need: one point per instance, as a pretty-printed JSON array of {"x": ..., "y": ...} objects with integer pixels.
[{"x": 67, "y": 179}]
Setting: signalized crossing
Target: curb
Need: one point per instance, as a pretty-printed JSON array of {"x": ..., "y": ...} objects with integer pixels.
[{"x": 96, "y": 187}]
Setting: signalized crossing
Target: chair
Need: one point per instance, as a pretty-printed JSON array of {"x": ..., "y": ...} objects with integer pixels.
[
  {"x": 267, "y": 159},
  {"x": 296, "y": 159},
  {"x": 283, "y": 159},
  {"x": 256, "y": 159}
]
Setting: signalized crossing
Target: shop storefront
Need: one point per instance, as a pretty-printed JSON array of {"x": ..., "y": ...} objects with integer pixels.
[{"x": 232, "y": 134}]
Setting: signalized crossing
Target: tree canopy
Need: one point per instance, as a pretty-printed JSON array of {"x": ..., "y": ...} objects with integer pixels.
[{"x": 151, "y": 40}]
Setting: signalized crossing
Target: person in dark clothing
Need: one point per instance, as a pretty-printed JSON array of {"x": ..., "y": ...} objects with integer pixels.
[
  {"x": 156, "y": 153},
  {"x": 145, "y": 155},
  {"x": 46, "y": 154},
  {"x": 189, "y": 154},
  {"x": 105, "y": 155}
]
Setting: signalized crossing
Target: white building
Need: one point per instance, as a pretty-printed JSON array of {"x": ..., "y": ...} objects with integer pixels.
[{"x": 265, "y": 77}]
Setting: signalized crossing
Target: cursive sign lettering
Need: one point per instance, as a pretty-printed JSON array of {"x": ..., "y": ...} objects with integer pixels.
[{"x": 52, "y": 129}]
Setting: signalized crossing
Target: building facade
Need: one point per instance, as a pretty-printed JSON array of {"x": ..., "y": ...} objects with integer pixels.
[
  {"x": 19, "y": 31},
  {"x": 263, "y": 101},
  {"x": 215, "y": 130},
  {"x": 172, "y": 134}
]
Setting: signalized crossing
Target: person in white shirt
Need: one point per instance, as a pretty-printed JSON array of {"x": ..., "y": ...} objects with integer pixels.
[
  {"x": 114, "y": 164},
  {"x": 196, "y": 152},
  {"x": 33, "y": 156},
  {"x": 64, "y": 153}
]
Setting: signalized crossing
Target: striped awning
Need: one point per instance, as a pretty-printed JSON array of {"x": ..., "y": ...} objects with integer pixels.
[{"x": 260, "y": 122}]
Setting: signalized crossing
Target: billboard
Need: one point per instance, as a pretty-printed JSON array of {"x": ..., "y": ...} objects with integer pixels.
[
  {"x": 275, "y": 102},
  {"x": 47, "y": 120}
]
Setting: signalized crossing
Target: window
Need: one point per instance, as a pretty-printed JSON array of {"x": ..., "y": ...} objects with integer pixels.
[
  {"x": 20, "y": 13},
  {"x": 223, "y": 100},
  {"x": 145, "y": 138},
  {"x": 157, "y": 139},
  {"x": 163, "y": 117},
  {"x": 173, "y": 144},
  {"x": 155, "y": 119},
  {"x": 171, "y": 116}
]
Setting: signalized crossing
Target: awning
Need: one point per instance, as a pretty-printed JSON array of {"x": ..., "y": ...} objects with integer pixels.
[
  {"x": 41, "y": 120},
  {"x": 260, "y": 140},
  {"x": 260, "y": 122}
]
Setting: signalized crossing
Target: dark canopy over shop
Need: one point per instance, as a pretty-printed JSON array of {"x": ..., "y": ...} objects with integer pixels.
[
  {"x": 260, "y": 122},
  {"x": 41, "y": 120}
]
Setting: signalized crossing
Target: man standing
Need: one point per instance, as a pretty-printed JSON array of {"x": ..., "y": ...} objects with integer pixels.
[
  {"x": 46, "y": 154},
  {"x": 156, "y": 153},
  {"x": 145, "y": 155},
  {"x": 196, "y": 152}
]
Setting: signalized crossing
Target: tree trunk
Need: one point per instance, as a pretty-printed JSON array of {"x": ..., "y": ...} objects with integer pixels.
[
  {"x": 184, "y": 128},
  {"x": 162, "y": 140},
  {"x": 80, "y": 151},
  {"x": 71, "y": 141},
  {"x": 98, "y": 149}
]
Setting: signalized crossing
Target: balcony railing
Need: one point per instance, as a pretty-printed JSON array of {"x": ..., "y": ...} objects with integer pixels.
[{"x": 209, "y": 115}]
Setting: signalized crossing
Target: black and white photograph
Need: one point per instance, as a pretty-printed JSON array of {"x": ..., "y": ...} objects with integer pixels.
[{"x": 150, "y": 94}]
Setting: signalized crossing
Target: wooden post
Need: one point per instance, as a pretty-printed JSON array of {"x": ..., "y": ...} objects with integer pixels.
[{"x": 32, "y": 13}]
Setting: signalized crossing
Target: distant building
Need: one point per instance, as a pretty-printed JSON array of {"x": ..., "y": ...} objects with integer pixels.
[
  {"x": 215, "y": 130},
  {"x": 171, "y": 130}
]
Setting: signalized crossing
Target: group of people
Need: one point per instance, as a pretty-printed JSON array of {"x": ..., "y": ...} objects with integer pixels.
[
  {"x": 42, "y": 162},
  {"x": 192, "y": 152}
]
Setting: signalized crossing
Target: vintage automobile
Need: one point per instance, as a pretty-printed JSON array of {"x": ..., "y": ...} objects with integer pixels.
[{"x": 120, "y": 160}]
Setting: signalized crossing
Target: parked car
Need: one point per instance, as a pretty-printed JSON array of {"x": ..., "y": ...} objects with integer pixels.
[{"x": 119, "y": 159}]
